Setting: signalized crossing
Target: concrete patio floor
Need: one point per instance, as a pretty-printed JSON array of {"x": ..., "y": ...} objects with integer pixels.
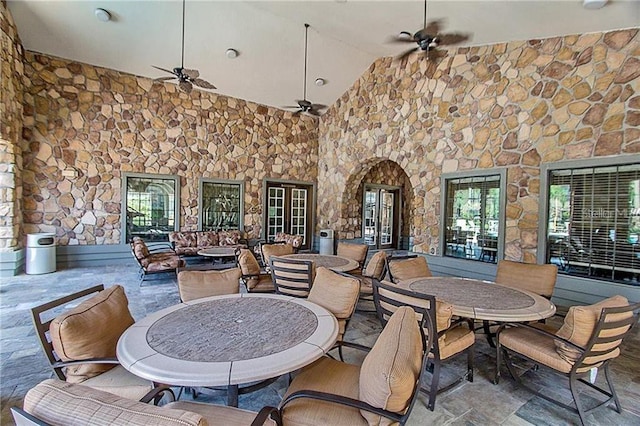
[{"x": 23, "y": 364}]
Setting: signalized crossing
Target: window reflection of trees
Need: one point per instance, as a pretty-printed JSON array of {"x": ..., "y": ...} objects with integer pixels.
[
  {"x": 220, "y": 206},
  {"x": 150, "y": 206}
]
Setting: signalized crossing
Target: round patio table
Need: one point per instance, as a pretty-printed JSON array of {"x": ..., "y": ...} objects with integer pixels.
[
  {"x": 484, "y": 300},
  {"x": 333, "y": 262},
  {"x": 227, "y": 341}
]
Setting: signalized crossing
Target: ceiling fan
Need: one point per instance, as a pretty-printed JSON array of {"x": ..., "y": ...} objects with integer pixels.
[
  {"x": 304, "y": 105},
  {"x": 187, "y": 78},
  {"x": 428, "y": 38}
]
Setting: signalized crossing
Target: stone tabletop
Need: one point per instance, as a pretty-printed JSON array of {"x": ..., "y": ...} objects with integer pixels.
[
  {"x": 335, "y": 263},
  {"x": 227, "y": 340},
  {"x": 483, "y": 300},
  {"x": 218, "y": 252}
]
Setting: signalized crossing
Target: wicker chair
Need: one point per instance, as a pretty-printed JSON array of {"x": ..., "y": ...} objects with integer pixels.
[
  {"x": 590, "y": 338},
  {"x": 81, "y": 349},
  {"x": 381, "y": 391},
  {"x": 453, "y": 338}
]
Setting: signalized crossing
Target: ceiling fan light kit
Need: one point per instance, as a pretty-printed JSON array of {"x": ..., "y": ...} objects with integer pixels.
[
  {"x": 594, "y": 4},
  {"x": 231, "y": 53},
  {"x": 102, "y": 15}
]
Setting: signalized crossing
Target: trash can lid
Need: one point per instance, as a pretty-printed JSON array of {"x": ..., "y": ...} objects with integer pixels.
[{"x": 33, "y": 240}]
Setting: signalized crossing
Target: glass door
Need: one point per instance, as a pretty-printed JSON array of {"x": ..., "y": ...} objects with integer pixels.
[
  {"x": 380, "y": 216},
  {"x": 288, "y": 210}
]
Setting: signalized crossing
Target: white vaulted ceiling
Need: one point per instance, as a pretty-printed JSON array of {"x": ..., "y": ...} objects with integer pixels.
[{"x": 345, "y": 36}]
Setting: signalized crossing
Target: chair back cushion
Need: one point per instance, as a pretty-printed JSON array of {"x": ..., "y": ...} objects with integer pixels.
[
  {"x": 415, "y": 267},
  {"x": 294, "y": 240},
  {"x": 183, "y": 239},
  {"x": 269, "y": 250},
  {"x": 229, "y": 238},
  {"x": 248, "y": 263},
  {"x": 580, "y": 323},
  {"x": 539, "y": 279},
  {"x": 207, "y": 239},
  {"x": 390, "y": 371},
  {"x": 334, "y": 292},
  {"x": 59, "y": 403},
  {"x": 375, "y": 267},
  {"x": 198, "y": 284},
  {"x": 140, "y": 249},
  {"x": 357, "y": 252},
  {"x": 91, "y": 330}
]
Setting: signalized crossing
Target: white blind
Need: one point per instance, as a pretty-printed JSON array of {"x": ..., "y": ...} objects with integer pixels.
[{"x": 594, "y": 221}]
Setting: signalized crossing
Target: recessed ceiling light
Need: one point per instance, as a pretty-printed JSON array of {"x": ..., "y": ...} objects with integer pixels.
[
  {"x": 593, "y": 4},
  {"x": 231, "y": 53},
  {"x": 102, "y": 15},
  {"x": 320, "y": 81}
]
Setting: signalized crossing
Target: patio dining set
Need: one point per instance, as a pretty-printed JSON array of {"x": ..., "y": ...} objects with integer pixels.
[{"x": 240, "y": 327}]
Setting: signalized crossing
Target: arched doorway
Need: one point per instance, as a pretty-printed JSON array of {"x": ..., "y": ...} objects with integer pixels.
[{"x": 377, "y": 205}]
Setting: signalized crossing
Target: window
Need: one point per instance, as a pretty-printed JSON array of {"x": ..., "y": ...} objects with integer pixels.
[
  {"x": 221, "y": 205},
  {"x": 473, "y": 216},
  {"x": 151, "y": 206},
  {"x": 593, "y": 221}
]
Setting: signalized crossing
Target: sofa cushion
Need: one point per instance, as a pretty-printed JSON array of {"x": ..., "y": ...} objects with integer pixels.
[
  {"x": 183, "y": 239},
  {"x": 140, "y": 249},
  {"x": 294, "y": 240},
  {"x": 59, "y": 403},
  {"x": 91, "y": 330},
  {"x": 229, "y": 238},
  {"x": 409, "y": 268},
  {"x": 580, "y": 323},
  {"x": 207, "y": 239},
  {"x": 390, "y": 370}
]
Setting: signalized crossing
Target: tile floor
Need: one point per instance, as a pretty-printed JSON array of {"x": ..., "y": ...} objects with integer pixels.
[{"x": 22, "y": 363}]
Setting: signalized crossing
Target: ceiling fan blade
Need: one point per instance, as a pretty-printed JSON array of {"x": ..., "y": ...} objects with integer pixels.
[
  {"x": 318, "y": 106},
  {"x": 408, "y": 38},
  {"x": 406, "y": 53},
  {"x": 313, "y": 112},
  {"x": 192, "y": 74},
  {"x": 290, "y": 106},
  {"x": 160, "y": 79},
  {"x": 163, "y": 69},
  {"x": 432, "y": 28},
  {"x": 185, "y": 86},
  {"x": 203, "y": 83},
  {"x": 452, "y": 38}
]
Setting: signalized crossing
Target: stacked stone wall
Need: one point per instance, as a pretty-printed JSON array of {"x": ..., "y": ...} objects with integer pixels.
[
  {"x": 86, "y": 125},
  {"x": 11, "y": 75},
  {"x": 513, "y": 105}
]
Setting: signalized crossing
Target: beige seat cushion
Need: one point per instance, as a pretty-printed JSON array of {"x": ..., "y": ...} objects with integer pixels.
[
  {"x": 539, "y": 279},
  {"x": 263, "y": 283},
  {"x": 409, "y": 268},
  {"x": 391, "y": 369},
  {"x": 455, "y": 341},
  {"x": 198, "y": 284},
  {"x": 61, "y": 403},
  {"x": 375, "y": 267},
  {"x": 119, "y": 381},
  {"x": 324, "y": 375},
  {"x": 580, "y": 323},
  {"x": 81, "y": 332},
  {"x": 334, "y": 292},
  {"x": 218, "y": 414},
  {"x": 269, "y": 250},
  {"x": 539, "y": 347}
]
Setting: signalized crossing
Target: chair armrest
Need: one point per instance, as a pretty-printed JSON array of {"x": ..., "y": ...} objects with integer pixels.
[
  {"x": 22, "y": 417},
  {"x": 339, "y": 399},
  {"x": 60, "y": 364},
  {"x": 539, "y": 331},
  {"x": 267, "y": 413},
  {"x": 160, "y": 247},
  {"x": 157, "y": 393},
  {"x": 353, "y": 346}
]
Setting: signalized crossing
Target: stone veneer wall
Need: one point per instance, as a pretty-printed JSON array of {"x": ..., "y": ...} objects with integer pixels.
[
  {"x": 515, "y": 105},
  {"x": 383, "y": 173},
  {"x": 11, "y": 74},
  {"x": 98, "y": 123}
]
